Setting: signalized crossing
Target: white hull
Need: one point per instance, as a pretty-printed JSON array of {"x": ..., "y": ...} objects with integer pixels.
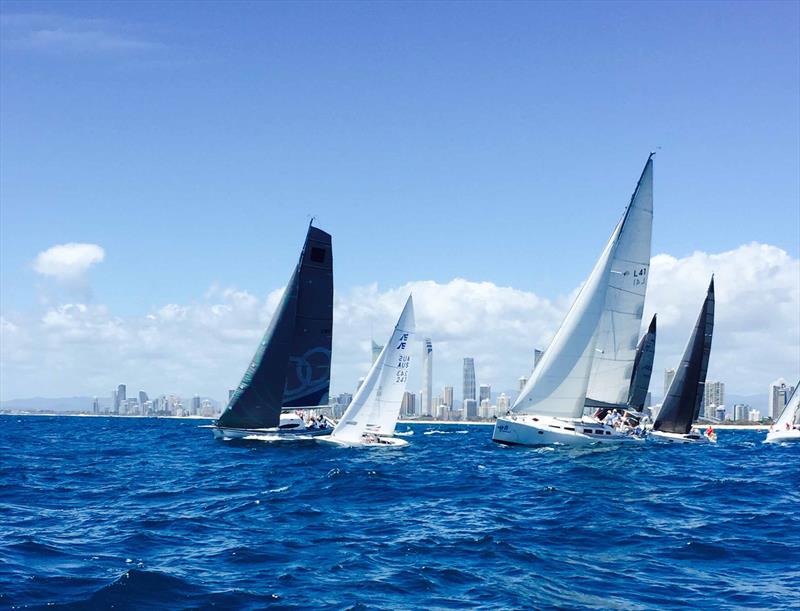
[
  {"x": 678, "y": 437},
  {"x": 274, "y": 434},
  {"x": 383, "y": 442},
  {"x": 783, "y": 436},
  {"x": 530, "y": 430}
]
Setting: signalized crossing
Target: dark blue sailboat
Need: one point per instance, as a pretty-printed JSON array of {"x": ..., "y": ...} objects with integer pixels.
[
  {"x": 681, "y": 406},
  {"x": 291, "y": 367}
]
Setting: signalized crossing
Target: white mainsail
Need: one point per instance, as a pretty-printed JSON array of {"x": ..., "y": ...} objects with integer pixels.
[
  {"x": 618, "y": 331},
  {"x": 376, "y": 406},
  {"x": 790, "y": 413},
  {"x": 604, "y": 319}
]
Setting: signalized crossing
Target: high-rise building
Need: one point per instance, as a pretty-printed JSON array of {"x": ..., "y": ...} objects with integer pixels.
[
  {"x": 447, "y": 396},
  {"x": 484, "y": 392},
  {"x": 95, "y": 406},
  {"x": 669, "y": 375},
  {"x": 469, "y": 379},
  {"x": 143, "y": 398},
  {"x": 522, "y": 381},
  {"x": 713, "y": 397},
  {"x": 376, "y": 351},
  {"x": 408, "y": 407},
  {"x": 537, "y": 356},
  {"x": 779, "y": 393},
  {"x": 114, "y": 409},
  {"x": 195, "y": 405},
  {"x": 502, "y": 403},
  {"x": 754, "y": 415},
  {"x": 470, "y": 409},
  {"x": 426, "y": 395},
  {"x": 740, "y": 412}
]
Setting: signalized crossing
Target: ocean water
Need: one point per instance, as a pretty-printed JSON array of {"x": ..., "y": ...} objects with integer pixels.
[{"x": 145, "y": 514}]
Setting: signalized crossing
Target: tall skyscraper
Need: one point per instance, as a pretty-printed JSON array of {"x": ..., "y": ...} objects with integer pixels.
[
  {"x": 143, "y": 398},
  {"x": 485, "y": 392},
  {"x": 447, "y": 398},
  {"x": 376, "y": 351},
  {"x": 669, "y": 374},
  {"x": 408, "y": 407},
  {"x": 195, "y": 405},
  {"x": 522, "y": 381},
  {"x": 741, "y": 412},
  {"x": 779, "y": 393},
  {"x": 537, "y": 356},
  {"x": 713, "y": 397},
  {"x": 426, "y": 396},
  {"x": 470, "y": 409},
  {"x": 95, "y": 406},
  {"x": 502, "y": 403},
  {"x": 469, "y": 379}
]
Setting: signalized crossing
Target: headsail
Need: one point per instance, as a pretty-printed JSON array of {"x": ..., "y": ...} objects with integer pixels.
[
  {"x": 605, "y": 318},
  {"x": 376, "y": 406},
  {"x": 258, "y": 399},
  {"x": 643, "y": 368},
  {"x": 618, "y": 331},
  {"x": 681, "y": 406},
  {"x": 790, "y": 414}
]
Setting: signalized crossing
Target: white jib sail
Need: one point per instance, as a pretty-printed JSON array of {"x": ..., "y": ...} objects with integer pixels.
[
  {"x": 790, "y": 413},
  {"x": 376, "y": 406},
  {"x": 558, "y": 385},
  {"x": 620, "y": 324}
]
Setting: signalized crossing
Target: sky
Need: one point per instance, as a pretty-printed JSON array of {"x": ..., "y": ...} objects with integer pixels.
[{"x": 159, "y": 163}]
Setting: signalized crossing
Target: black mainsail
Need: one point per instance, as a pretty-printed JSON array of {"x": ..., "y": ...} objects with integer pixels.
[
  {"x": 681, "y": 406},
  {"x": 291, "y": 366},
  {"x": 643, "y": 368}
]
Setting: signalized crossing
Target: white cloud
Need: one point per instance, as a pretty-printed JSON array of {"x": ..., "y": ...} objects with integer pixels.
[
  {"x": 68, "y": 261},
  {"x": 204, "y": 346}
]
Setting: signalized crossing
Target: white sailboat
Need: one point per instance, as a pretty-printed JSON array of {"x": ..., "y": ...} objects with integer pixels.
[
  {"x": 787, "y": 426},
  {"x": 371, "y": 417},
  {"x": 590, "y": 360}
]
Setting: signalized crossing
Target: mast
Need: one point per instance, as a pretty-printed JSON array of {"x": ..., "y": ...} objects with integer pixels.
[
  {"x": 681, "y": 406},
  {"x": 258, "y": 399}
]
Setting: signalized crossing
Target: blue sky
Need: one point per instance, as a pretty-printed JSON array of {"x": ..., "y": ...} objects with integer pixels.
[{"x": 493, "y": 142}]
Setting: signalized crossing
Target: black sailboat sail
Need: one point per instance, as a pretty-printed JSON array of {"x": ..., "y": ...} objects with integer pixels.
[
  {"x": 681, "y": 406},
  {"x": 643, "y": 368},
  {"x": 294, "y": 353}
]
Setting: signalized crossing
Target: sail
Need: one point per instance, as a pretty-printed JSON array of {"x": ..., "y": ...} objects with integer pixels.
[
  {"x": 258, "y": 399},
  {"x": 618, "y": 331},
  {"x": 376, "y": 405},
  {"x": 557, "y": 386},
  {"x": 308, "y": 375},
  {"x": 604, "y": 319},
  {"x": 790, "y": 414},
  {"x": 642, "y": 368},
  {"x": 681, "y": 406}
]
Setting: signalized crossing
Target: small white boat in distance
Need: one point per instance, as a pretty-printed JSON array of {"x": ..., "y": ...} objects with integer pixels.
[
  {"x": 787, "y": 426},
  {"x": 371, "y": 417}
]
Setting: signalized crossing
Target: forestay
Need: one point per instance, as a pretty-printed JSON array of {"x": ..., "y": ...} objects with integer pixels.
[{"x": 376, "y": 405}]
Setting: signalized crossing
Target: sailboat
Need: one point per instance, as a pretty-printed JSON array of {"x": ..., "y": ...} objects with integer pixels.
[
  {"x": 787, "y": 426},
  {"x": 371, "y": 417},
  {"x": 681, "y": 406},
  {"x": 290, "y": 370},
  {"x": 591, "y": 358}
]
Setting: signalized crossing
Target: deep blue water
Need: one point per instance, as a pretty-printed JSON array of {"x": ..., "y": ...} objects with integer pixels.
[{"x": 102, "y": 512}]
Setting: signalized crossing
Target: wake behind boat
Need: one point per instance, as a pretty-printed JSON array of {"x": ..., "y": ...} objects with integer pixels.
[
  {"x": 372, "y": 416},
  {"x": 591, "y": 360},
  {"x": 787, "y": 426},
  {"x": 681, "y": 406},
  {"x": 290, "y": 371}
]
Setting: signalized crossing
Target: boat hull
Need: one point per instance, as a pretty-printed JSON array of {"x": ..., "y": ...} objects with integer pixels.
[
  {"x": 273, "y": 434},
  {"x": 384, "y": 442},
  {"x": 792, "y": 435},
  {"x": 527, "y": 430},
  {"x": 663, "y": 437}
]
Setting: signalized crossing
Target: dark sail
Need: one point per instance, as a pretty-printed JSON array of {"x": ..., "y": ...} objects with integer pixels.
[
  {"x": 259, "y": 397},
  {"x": 308, "y": 376},
  {"x": 643, "y": 368},
  {"x": 681, "y": 406}
]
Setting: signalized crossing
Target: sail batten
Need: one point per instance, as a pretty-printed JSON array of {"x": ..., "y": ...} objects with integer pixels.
[{"x": 681, "y": 406}]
